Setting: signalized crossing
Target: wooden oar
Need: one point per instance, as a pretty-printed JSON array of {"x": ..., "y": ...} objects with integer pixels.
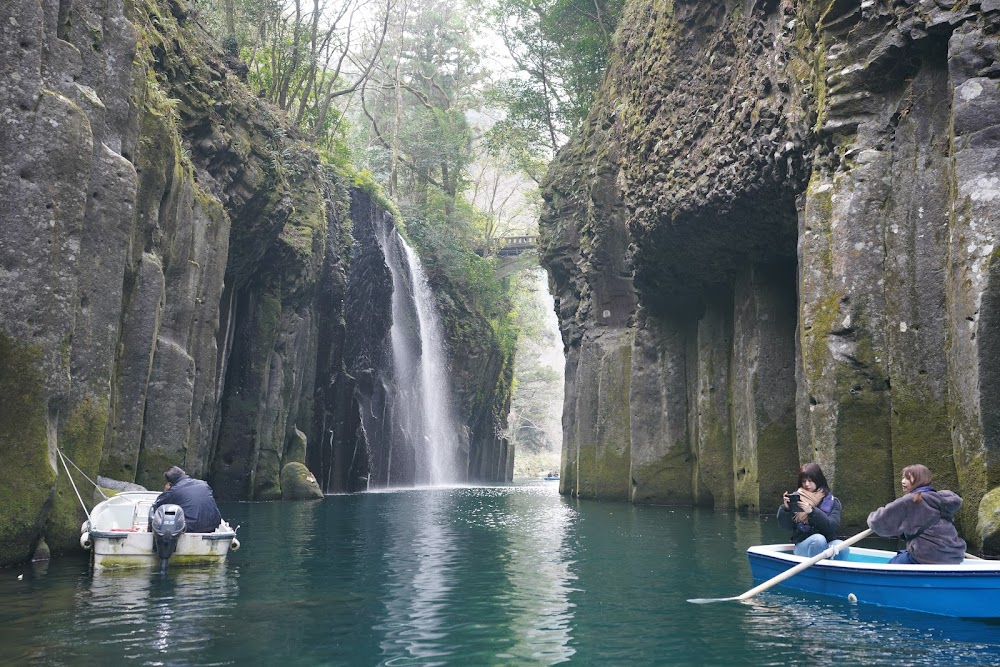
[{"x": 829, "y": 552}]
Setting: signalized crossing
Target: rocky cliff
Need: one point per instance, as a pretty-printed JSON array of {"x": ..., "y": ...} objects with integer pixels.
[
  {"x": 774, "y": 242},
  {"x": 174, "y": 272}
]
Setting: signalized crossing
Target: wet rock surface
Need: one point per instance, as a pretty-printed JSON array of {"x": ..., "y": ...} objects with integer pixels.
[
  {"x": 808, "y": 196},
  {"x": 174, "y": 271}
]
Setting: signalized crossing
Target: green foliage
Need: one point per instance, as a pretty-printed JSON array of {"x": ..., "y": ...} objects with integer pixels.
[
  {"x": 560, "y": 48},
  {"x": 535, "y": 423},
  {"x": 418, "y": 144},
  {"x": 416, "y": 137},
  {"x": 295, "y": 53},
  {"x": 535, "y": 464},
  {"x": 520, "y": 135},
  {"x": 443, "y": 236}
]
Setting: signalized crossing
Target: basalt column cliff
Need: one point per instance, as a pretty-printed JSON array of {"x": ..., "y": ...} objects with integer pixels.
[
  {"x": 775, "y": 242},
  {"x": 175, "y": 277}
]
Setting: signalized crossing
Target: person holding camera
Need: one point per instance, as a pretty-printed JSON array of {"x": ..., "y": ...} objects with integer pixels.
[
  {"x": 925, "y": 518},
  {"x": 812, "y": 513}
]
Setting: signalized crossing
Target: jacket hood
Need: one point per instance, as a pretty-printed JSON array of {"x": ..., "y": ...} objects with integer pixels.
[{"x": 946, "y": 502}]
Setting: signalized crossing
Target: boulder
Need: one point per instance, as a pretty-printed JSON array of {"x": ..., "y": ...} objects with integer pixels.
[
  {"x": 107, "y": 487},
  {"x": 988, "y": 525},
  {"x": 297, "y": 483},
  {"x": 107, "y": 483}
]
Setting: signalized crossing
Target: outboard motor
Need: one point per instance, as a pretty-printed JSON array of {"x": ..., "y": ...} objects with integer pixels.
[{"x": 167, "y": 523}]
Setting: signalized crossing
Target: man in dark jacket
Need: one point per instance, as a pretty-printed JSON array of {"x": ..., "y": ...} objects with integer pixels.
[{"x": 194, "y": 496}]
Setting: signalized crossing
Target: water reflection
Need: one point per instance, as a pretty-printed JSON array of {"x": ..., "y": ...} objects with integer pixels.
[
  {"x": 540, "y": 579},
  {"x": 418, "y": 564},
  {"x": 148, "y": 614},
  {"x": 476, "y": 576},
  {"x": 484, "y": 576},
  {"x": 831, "y": 632}
]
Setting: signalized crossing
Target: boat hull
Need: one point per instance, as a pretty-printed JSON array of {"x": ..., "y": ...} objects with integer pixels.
[
  {"x": 137, "y": 550},
  {"x": 118, "y": 535},
  {"x": 968, "y": 590}
]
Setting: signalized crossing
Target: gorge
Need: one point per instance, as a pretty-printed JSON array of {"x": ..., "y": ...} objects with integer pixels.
[
  {"x": 774, "y": 242},
  {"x": 184, "y": 281}
]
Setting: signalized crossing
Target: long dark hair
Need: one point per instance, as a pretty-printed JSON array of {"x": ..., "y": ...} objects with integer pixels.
[{"x": 815, "y": 473}]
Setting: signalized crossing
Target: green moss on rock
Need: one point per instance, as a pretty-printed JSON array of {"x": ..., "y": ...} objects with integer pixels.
[
  {"x": 988, "y": 521},
  {"x": 27, "y": 474},
  {"x": 821, "y": 321},
  {"x": 296, "y": 448},
  {"x": 663, "y": 482},
  {"x": 863, "y": 451},
  {"x": 82, "y": 442},
  {"x": 604, "y": 468},
  {"x": 776, "y": 461},
  {"x": 297, "y": 483}
]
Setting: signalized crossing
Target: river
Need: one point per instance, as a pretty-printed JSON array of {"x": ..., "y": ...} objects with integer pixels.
[{"x": 514, "y": 575}]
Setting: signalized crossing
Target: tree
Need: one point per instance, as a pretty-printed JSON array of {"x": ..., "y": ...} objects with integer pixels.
[
  {"x": 560, "y": 49},
  {"x": 305, "y": 54},
  {"x": 507, "y": 204},
  {"x": 535, "y": 425},
  {"x": 416, "y": 102}
]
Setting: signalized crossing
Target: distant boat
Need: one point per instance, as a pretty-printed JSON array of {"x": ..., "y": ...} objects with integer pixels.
[
  {"x": 118, "y": 534},
  {"x": 551, "y": 477},
  {"x": 970, "y": 589}
]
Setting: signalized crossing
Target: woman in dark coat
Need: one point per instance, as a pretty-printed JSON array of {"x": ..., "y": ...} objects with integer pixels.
[
  {"x": 816, "y": 518},
  {"x": 924, "y": 518}
]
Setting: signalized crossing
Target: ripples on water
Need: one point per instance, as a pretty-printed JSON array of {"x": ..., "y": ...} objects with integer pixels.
[{"x": 464, "y": 576}]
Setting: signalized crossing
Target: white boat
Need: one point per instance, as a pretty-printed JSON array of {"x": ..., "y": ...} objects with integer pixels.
[{"x": 118, "y": 534}]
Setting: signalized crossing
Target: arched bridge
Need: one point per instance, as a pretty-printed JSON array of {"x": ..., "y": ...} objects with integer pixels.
[{"x": 511, "y": 246}]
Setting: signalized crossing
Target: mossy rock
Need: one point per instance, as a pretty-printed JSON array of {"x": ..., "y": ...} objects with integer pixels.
[
  {"x": 988, "y": 525},
  {"x": 27, "y": 476},
  {"x": 42, "y": 551},
  {"x": 296, "y": 449},
  {"x": 101, "y": 494},
  {"x": 81, "y": 441},
  {"x": 297, "y": 483}
]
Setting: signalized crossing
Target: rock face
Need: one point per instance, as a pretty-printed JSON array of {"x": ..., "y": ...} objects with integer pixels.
[
  {"x": 361, "y": 407},
  {"x": 774, "y": 243},
  {"x": 174, "y": 271},
  {"x": 297, "y": 483}
]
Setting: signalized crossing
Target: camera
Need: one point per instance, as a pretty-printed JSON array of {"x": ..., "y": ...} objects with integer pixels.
[{"x": 793, "y": 501}]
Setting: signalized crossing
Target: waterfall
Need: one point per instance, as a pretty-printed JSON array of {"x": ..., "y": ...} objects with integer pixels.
[
  {"x": 422, "y": 387},
  {"x": 440, "y": 429}
]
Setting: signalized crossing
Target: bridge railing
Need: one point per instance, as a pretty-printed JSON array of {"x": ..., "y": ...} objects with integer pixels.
[{"x": 507, "y": 246}]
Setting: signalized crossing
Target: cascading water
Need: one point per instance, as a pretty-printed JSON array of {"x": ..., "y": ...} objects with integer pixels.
[
  {"x": 440, "y": 430},
  {"x": 422, "y": 389}
]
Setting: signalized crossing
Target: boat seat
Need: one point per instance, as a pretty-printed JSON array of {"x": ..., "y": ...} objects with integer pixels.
[{"x": 118, "y": 518}]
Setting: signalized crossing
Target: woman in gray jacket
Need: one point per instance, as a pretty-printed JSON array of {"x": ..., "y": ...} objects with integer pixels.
[{"x": 924, "y": 518}]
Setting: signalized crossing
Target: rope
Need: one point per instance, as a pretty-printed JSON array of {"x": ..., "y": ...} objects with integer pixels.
[
  {"x": 96, "y": 485},
  {"x": 68, "y": 474}
]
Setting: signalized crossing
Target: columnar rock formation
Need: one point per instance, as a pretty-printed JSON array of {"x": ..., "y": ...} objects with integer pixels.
[
  {"x": 774, "y": 243},
  {"x": 174, "y": 272}
]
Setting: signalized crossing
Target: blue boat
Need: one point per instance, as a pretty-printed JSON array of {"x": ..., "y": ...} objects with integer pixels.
[{"x": 970, "y": 589}]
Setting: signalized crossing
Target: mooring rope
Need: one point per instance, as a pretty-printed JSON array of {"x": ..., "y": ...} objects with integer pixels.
[
  {"x": 96, "y": 485},
  {"x": 63, "y": 458}
]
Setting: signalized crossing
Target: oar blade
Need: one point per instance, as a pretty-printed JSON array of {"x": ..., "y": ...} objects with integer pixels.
[{"x": 829, "y": 552}]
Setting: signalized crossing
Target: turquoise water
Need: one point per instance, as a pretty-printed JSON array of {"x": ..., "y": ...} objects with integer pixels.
[{"x": 512, "y": 575}]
